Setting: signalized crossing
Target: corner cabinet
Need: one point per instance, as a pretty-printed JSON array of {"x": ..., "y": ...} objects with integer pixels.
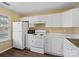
[
  {"x": 71, "y": 18},
  {"x": 75, "y": 17},
  {"x": 67, "y": 19}
]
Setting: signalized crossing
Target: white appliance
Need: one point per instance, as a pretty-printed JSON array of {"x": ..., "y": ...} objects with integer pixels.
[
  {"x": 37, "y": 44},
  {"x": 19, "y": 34}
]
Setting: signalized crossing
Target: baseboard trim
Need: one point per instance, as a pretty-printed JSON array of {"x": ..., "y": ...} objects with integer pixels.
[
  {"x": 54, "y": 54},
  {"x": 5, "y": 50}
]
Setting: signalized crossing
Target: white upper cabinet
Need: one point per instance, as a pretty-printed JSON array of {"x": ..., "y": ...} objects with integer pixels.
[
  {"x": 67, "y": 19},
  {"x": 56, "y": 20},
  {"x": 49, "y": 20},
  {"x": 44, "y": 18},
  {"x": 33, "y": 20},
  {"x": 52, "y": 20},
  {"x": 71, "y": 18},
  {"x": 75, "y": 17}
]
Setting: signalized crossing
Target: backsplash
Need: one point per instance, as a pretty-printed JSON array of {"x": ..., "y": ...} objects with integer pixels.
[
  {"x": 76, "y": 30},
  {"x": 63, "y": 30},
  {"x": 40, "y": 26}
]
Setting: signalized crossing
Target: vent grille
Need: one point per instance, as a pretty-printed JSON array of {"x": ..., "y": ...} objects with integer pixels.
[{"x": 6, "y": 3}]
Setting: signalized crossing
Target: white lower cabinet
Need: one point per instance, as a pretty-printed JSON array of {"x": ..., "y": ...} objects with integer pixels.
[
  {"x": 54, "y": 46},
  {"x": 57, "y": 46},
  {"x": 28, "y": 40},
  {"x": 48, "y": 44}
]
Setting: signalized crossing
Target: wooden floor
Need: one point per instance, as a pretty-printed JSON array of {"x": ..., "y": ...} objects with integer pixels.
[{"x": 23, "y": 53}]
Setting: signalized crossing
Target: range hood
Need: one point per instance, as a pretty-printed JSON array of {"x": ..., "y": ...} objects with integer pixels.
[{"x": 40, "y": 22}]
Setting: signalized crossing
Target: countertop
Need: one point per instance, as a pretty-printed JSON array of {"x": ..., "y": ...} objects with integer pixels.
[{"x": 75, "y": 41}]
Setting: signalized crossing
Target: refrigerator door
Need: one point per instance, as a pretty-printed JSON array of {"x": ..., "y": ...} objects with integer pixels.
[
  {"x": 17, "y": 26},
  {"x": 18, "y": 42}
]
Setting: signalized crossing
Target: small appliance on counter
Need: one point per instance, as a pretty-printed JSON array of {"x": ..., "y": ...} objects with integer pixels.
[{"x": 31, "y": 31}]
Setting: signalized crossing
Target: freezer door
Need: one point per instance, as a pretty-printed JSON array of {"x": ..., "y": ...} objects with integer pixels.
[
  {"x": 17, "y": 26},
  {"x": 18, "y": 42}
]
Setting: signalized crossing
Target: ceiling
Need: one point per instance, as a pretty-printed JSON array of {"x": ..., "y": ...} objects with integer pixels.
[{"x": 25, "y": 8}]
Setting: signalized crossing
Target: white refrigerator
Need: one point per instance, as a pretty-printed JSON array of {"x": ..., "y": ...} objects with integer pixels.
[{"x": 19, "y": 34}]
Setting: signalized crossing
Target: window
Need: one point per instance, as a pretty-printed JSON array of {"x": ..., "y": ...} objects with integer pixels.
[{"x": 4, "y": 22}]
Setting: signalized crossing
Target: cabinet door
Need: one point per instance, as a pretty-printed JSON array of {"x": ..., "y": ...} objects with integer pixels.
[
  {"x": 54, "y": 20},
  {"x": 33, "y": 20},
  {"x": 54, "y": 46},
  {"x": 67, "y": 19},
  {"x": 44, "y": 18},
  {"x": 75, "y": 17},
  {"x": 49, "y": 21},
  {"x": 29, "y": 39},
  {"x": 57, "y": 46},
  {"x": 48, "y": 46},
  {"x": 71, "y": 18}
]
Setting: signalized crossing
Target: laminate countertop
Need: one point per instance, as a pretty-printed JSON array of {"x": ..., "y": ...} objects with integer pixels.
[{"x": 75, "y": 41}]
